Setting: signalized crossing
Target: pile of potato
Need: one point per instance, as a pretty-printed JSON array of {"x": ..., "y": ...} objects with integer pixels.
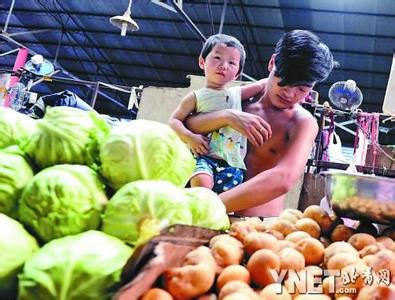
[{"x": 240, "y": 264}]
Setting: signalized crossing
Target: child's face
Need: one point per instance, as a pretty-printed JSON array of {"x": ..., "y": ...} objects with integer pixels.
[{"x": 221, "y": 65}]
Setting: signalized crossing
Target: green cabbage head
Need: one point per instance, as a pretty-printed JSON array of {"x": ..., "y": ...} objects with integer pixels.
[
  {"x": 207, "y": 208},
  {"x": 140, "y": 209},
  {"x": 66, "y": 135},
  {"x": 15, "y": 128},
  {"x": 84, "y": 266},
  {"x": 143, "y": 149},
  {"x": 15, "y": 172},
  {"x": 62, "y": 200},
  {"x": 16, "y": 246}
]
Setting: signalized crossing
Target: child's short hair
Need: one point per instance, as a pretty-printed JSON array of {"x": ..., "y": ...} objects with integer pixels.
[
  {"x": 302, "y": 58},
  {"x": 229, "y": 41}
]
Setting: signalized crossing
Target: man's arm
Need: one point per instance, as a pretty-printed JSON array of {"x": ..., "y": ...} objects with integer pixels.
[
  {"x": 256, "y": 89},
  {"x": 278, "y": 180},
  {"x": 251, "y": 126}
]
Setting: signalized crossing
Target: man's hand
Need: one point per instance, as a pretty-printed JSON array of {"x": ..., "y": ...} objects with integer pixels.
[
  {"x": 198, "y": 144},
  {"x": 256, "y": 129}
]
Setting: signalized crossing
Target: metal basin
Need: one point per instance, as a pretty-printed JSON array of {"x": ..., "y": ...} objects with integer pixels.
[{"x": 362, "y": 197}]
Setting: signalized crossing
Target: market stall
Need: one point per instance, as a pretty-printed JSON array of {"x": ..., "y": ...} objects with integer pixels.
[{"x": 94, "y": 195}]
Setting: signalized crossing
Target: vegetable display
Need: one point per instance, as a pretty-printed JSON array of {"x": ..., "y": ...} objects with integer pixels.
[
  {"x": 15, "y": 128},
  {"x": 66, "y": 135},
  {"x": 83, "y": 266},
  {"x": 62, "y": 200},
  {"x": 15, "y": 172},
  {"x": 16, "y": 246},
  {"x": 57, "y": 175},
  {"x": 207, "y": 208},
  {"x": 143, "y": 149},
  {"x": 140, "y": 209}
]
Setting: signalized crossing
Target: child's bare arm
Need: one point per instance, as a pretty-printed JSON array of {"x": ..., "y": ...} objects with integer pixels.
[
  {"x": 253, "y": 89},
  {"x": 184, "y": 109},
  {"x": 196, "y": 142}
]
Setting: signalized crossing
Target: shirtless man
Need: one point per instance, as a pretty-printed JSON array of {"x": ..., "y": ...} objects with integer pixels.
[{"x": 280, "y": 131}]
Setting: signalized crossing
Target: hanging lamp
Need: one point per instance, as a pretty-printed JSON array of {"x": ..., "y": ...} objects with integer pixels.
[{"x": 125, "y": 22}]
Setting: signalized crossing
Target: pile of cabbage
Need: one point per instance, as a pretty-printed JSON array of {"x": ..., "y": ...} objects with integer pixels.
[{"x": 77, "y": 196}]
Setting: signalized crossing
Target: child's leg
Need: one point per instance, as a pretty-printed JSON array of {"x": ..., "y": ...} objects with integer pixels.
[
  {"x": 202, "y": 180},
  {"x": 227, "y": 178}
]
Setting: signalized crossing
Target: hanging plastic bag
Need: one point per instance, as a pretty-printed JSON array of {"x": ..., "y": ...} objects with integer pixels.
[{"x": 334, "y": 149}]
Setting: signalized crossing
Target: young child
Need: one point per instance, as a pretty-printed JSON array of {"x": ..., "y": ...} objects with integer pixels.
[{"x": 219, "y": 156}]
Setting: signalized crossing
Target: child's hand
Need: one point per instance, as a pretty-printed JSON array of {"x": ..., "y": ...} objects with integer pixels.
[{"x": 198, "y": 144}]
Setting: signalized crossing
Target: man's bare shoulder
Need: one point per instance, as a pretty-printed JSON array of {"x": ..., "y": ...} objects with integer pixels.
[
  {"x": 303, "y": 119},
  {"x": 302, "y": 115}
]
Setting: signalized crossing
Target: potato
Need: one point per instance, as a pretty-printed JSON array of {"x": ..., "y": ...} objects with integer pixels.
[
  {"x": 291, "y": 259},
  {"x": 319, "y": 215},
  {"x": 283, "y": 226},
  {"x": 241, "y": 296},
  {"x": 384, "y": 259},
  {"x": 296, "y": 236},
  {"x": 371, "y": 249},
  {"x": 260, "y": 240},
  {"x": 341, "y": 260},
  {"x": 241, "y": 229},
  {"x": 226, "y": 251},
  {"x": 224, "y": 236},
  {"x": 260, "y": 265},
  {"x": 341, "y": 233},
  {"x": 312, "y": 250},
  {"x": 285, "y": 244},
  {"x": 361, "y": 240},
  {"x": 195, "y": 277},
  {"x": 312, "y": 297},
  {"x": 288, "y": 216},
  {"x": 381, "y": 292},
  {"x": 274, "y": 291},
  {"x": 368, "y": 259},
  {"x": 338, "y": 247},
  {"x": 155, "y": 294},
  {"x": 310, "y": 226},
  {"x": 386, "y": 241},
  {"x": 297, "y": 213},
  {"x": 231, "y": 273},
  {"x": 235, "y": 286},
  {"x": 256, "y": 222},
  {"x": 278, "y": 235},
  {"x": 207, "y": 297}
]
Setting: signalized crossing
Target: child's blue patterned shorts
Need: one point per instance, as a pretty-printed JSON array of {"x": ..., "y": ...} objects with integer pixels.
[{"x": 225, "y": 177}]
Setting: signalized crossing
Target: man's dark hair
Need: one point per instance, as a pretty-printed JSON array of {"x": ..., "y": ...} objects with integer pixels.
[
  {"x": 302, "y": 58},
  {"x": 229, "y": 41}
]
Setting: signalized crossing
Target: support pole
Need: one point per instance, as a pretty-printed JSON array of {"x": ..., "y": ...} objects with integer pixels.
[
  {"x": 94, "y": 96},
  {"x": 19, "y": 63},
  {"x": 196, "y": 30},
  {"x": 8, "y": 16},
  {"x": 64, "y": 71}
]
